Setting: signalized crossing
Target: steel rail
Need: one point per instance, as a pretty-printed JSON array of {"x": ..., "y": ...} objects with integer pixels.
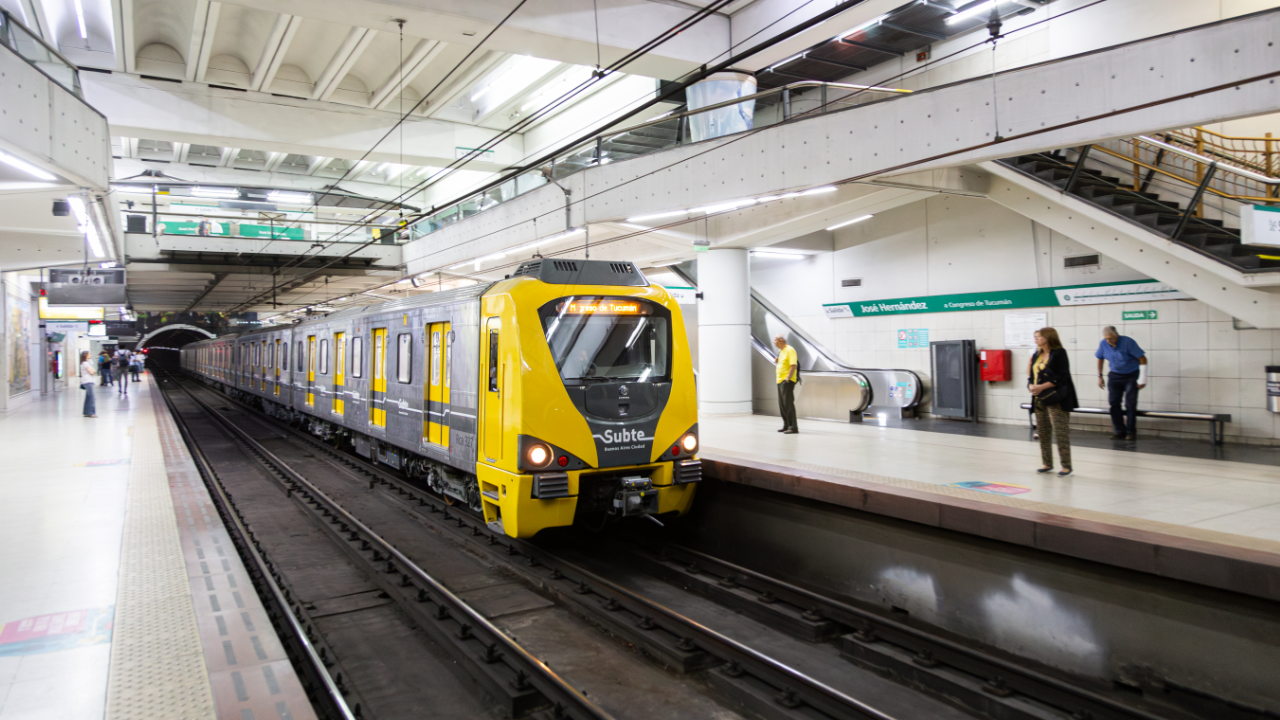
[
  {"x": 316, "y": 664},
  {"x": 795, "y": 690},
  {"x": 565, "y": 700}
]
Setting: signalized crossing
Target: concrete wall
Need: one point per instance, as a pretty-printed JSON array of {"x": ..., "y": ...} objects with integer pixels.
[{"x": 1200, "y": 360}]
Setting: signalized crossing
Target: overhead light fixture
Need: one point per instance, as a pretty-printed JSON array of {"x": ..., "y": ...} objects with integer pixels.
[
  {"x": 850, "y": 222},
  {"x": 966, "y": 14},
  {"x": 26, "y": 167},
  {"x": 84, "y": 34},
  {"x": 860, "y": 28},
  {"x": 658, "y": 216},
  {"x": 797, "y": 56},
  {"x": 543, "y": 241},
  {"x": 819, "y": 190},
  {"x": 779, "y": 254},
  {"x": 86, "y": 226},
  {"x": 724, "y": 207},
  {"x": 215, "y": 192},
  {"x": 292, "y": 198}
]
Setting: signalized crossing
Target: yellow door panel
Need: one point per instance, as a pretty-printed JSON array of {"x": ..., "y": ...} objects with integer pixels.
[
  {"x": 311, "y": 371},
  {"x": 491, "y": 390},
  {"x": 446, "y": 334},
  {"x": 339, "y": 370},
  {"x": 377, "y": 413},
  {"x": 431, "y": 417}
]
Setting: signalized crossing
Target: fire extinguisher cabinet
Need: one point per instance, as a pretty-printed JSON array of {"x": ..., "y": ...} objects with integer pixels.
[{"x": 995, "y": 365}]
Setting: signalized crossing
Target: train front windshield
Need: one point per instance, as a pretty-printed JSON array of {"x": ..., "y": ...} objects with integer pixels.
[{"x": 608, "y": 339}]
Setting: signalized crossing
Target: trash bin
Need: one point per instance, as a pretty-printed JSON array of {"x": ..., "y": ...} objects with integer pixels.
[{"x": 1273, "y": 388}]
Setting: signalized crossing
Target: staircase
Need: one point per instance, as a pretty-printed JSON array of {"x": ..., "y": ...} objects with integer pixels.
[{"x": 1130, "y": 199}]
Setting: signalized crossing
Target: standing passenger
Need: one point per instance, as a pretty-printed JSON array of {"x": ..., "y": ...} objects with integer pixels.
[
  {"x": 135, "y": 365},
  {"x": 120, "y": 365},
  {"x": 1049, "y": 380},
  {"x": 788, "y": 373},
  {"x": 1128, "y": 375},
  {"x": 86, "y": 384},
  {"x": 104, "y": 368}
]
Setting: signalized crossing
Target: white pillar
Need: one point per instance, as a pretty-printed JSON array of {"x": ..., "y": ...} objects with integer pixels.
[{"x": 724, "y": 332}]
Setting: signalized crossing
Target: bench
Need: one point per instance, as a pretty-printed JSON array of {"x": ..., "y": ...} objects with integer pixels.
[{"x": 1217, "y": 421}]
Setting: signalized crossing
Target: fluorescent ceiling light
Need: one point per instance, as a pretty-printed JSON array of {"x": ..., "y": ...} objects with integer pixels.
[
  {"x": 84, "y": 35},
  {"x": 850, "y": 222},
  {"x": 797, "y": 56},
  {"x": 780, "y": 255},
  {"x": 658, "y": 216},
  {"x": 725, "y": 206},
  {"x": 77, "y": 208},
  {"x": 293, "y": 198},
  {"x": 966, "y": 14},
  {"x": 521, "y": 72},
  {"x": 215, "y": 192},
  {"x": 819, "y": 190},
  {"x": 26, "y": 167},
  {"x": 860, "y": 28}
]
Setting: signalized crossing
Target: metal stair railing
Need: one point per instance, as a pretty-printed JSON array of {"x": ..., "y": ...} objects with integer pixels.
[{"x": 1221, "y": 174}]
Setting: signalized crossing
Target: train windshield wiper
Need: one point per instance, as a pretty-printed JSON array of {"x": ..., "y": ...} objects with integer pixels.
[{"x": 598, "y": 377}]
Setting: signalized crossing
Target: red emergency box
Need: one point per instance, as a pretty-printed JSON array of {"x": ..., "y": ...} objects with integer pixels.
[{"x": 997, "y": 365}]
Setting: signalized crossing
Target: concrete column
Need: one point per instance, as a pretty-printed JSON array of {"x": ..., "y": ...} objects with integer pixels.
[{"x": 724, "y": 332}]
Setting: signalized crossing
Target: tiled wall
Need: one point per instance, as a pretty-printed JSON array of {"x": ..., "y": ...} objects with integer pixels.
[{"x": 1199, "y": 362}]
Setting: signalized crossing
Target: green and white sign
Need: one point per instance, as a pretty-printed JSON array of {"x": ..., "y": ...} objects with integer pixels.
[
  {"x": 1139, "y": 315},
  {"x": 1098, "y": 294}
]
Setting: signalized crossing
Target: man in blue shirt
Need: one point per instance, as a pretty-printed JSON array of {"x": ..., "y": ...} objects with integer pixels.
[{"x": 1128, "y": 375}]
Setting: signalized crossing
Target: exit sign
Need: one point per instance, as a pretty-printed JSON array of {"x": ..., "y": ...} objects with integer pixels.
[{"x": 1139, "y": 315}]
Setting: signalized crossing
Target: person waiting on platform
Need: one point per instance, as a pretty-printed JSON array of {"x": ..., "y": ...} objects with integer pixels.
[
  {"x": 1053, "y": 396},
  {"x": 104, "y": 368},
  {"x": 120, "y": 366},
  {"x": 1128, "y": 375},
  {"x": 86, "y": 384},
  {"x": 788, "y": 376},
  {"x": 135, "y": 365}
]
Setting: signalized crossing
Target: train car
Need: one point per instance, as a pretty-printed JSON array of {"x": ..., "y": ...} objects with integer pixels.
[{"x": 561, "y": 395}]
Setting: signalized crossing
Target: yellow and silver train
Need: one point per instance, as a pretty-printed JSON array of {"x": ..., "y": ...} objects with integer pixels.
[{"x": 561, "y": 395}]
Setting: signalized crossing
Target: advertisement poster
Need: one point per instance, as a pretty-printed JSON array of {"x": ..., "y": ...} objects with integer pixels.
[{"x": 19, "y": 332}]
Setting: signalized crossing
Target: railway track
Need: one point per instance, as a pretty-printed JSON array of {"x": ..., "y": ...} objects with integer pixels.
[{"x": 743, "y": 677}]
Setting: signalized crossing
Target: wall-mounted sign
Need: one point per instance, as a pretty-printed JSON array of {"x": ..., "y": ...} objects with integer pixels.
[
  {"x": 68, "y": 312},
  {"x": 1259, "y": 225},
  {"x": 684, "y": 295},
  {"x": 913, "y": 338},
  {"x": 1139, "y": 315},
  {"x": 66, "y": 327},
  {"x": 1137, "y": 291},
  {"x": 1020, "y": 328}
]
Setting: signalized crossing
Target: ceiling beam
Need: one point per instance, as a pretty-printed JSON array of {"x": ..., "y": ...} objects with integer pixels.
[
  {"x": 229, "y": 155},
  {"x": 352, "y": 47},
  {"x": 423, "y": 54},
  {"x": 203, "y": 29},
  {"x": 274, "y": 160},
  {"x": 317, "y": 162},
  {"x": 126, "y": 52},
  {"x": 273, "y": 53},
  {"x": 180, "y": 152},
  {"x": 217, "y": 279}
]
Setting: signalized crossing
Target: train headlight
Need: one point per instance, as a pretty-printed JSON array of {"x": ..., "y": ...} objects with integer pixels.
[
  {"x": 689, "y": 442},
  {"x": 538, "y": 455}
]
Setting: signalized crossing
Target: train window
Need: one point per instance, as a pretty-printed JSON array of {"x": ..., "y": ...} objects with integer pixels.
[
  {"x": 324, "y": 356},
  {"x": 608, "y": 339},
  {"x": 493, "y": 362},
  {"x": 357, "y": 357},
  {"x": 284, "y": 356},
  {"x": 271, "y": 358},
  {"x": 404, "y": 357},
  {"x": 298, "y": 357}
]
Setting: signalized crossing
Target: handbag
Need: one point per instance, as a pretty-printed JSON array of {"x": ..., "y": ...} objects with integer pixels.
[{"x": 1053, "y": 395}]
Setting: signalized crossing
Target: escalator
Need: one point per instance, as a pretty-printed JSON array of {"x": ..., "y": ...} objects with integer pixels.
[{"x": 831, "y": 389}]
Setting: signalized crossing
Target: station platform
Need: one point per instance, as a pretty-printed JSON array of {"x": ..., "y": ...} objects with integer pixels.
[
  {"x": 127, "y": 598},
  {"x": 1199, "y": 519}
]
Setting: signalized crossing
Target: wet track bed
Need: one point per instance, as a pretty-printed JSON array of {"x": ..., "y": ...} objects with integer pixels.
[{"x": 733, "y": 642}]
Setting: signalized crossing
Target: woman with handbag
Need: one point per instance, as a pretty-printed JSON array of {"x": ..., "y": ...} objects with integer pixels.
[
  {"x": 1053, "y": 396},
  {"x": 86, "y": 384}
]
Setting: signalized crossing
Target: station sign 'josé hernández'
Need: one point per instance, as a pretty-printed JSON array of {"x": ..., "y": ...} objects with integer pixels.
[{"x": 1136, "y": 291}]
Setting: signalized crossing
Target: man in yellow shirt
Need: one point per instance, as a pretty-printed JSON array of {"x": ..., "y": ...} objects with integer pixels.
[{"x": 788, "y": 375}]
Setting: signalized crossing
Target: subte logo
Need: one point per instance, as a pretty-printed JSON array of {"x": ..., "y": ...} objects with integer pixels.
[{"x": 609, "y": 437}]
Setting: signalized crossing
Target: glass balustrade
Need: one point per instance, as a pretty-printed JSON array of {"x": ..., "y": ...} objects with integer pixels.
[
  {"x": 31, "y": 48},
  {"x": 770, "y": 107},
  {"x": 287, "y": 230}
]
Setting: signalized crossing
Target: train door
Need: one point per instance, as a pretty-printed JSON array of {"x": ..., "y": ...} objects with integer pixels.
[
  {"x": 339, "y": 370},
  {"x": 311, "y": 371},
  {"x": 378, "y": 388},
  {"x": 492, "y": 403},
  {"x": 436, "y": 422},
  {"x": 278, "y": 360}
]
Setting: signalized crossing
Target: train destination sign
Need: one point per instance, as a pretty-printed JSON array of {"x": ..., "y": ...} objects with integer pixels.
[
  {"x": 1136, "y": 291},
  {"x": 603, "y": 306}
]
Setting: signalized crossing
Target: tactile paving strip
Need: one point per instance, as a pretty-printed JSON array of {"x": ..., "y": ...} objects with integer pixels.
[{"x": 157, "y": 662}]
